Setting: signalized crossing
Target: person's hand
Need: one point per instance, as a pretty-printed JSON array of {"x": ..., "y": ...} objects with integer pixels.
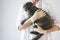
[
  {"x": 39, "y": 14},
  {"x": 20, "y": 27},
  {"x": 39, "y": 29}
]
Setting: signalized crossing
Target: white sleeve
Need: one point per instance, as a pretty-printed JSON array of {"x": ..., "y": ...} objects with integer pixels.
[{"x": 21, "y": 16}]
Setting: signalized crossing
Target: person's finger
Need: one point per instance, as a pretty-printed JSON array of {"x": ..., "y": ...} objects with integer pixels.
[
  {"x": 20, "y": 27},
  {"x": 42, "y": 11}
]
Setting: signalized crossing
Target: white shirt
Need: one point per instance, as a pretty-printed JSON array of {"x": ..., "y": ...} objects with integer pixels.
[
  {"x": 47, "y": 6},
  {"x": 52, "y": 7}
]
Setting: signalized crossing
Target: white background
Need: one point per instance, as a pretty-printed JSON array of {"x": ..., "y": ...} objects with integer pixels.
[{"x": 8, "y": 16}]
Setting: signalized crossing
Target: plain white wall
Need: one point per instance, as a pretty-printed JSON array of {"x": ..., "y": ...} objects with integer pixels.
[
  {"x": 0, "y": 23},
  {"x": 8, "y": 19}
]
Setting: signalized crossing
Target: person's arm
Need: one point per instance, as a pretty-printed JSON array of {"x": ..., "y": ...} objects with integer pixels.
[
  {"x": 54, "y": 28},
  {"x": 37, "y": 15},
  {"x": 40, "y": 30}
]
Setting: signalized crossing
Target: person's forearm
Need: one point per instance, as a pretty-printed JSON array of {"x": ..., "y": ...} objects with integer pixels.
[
  {"x": 37, "y": 15},
  {"x": 54, "y": 28},
  {"x": 25, "y": 25},
  {"x": 28, "y": 22}
]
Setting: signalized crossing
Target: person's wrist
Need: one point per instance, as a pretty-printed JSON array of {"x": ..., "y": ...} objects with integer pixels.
[
  {"x": 45, "y": 31},
  {"x": 20, "y": 27}
]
